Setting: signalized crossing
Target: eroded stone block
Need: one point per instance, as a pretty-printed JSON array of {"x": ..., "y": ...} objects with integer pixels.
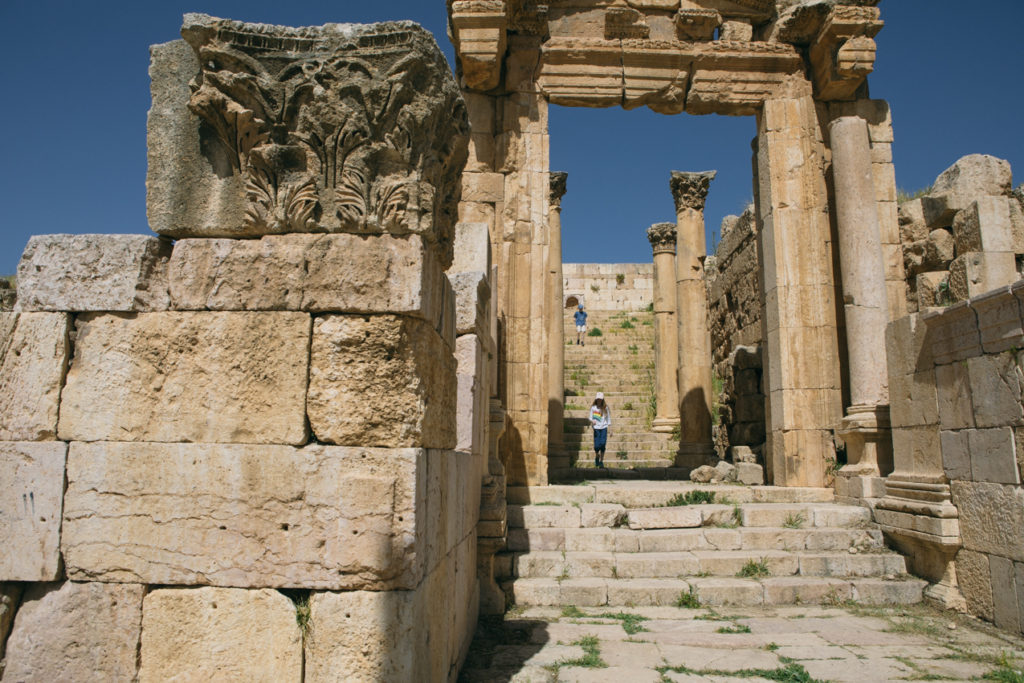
[
  {"x": 33, "y": 359},
  {"x": 225, "y": 634},
  {"x": 985, "y": 225},
  {"x": 30, "y": 510},
  {"x": 221, "y": 166},
  {"x": 350, "y": 273},
  {"x": 381, "y": 381},
  {"x": 76, "y": 632},
  {"x": 991, "y": 517},
  {"x": 202, "y": 377},
  {"x": 93, "y": 273},
  {"x": 471, "y": 294},
  {"x": 245, "y": 516},
  {"x": 1004, "y": 594},
  {"x": 974, "y": 580}
]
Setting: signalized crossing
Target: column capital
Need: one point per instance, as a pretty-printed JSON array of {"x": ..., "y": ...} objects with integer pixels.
[
  {"x": 558, "y": 187},
  {"x": 662, "y": 237},
  {"x": 691, "y": 189}
]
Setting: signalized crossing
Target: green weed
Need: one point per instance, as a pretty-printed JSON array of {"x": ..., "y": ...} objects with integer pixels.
[
  {"x": 794, "y": 521},
  {"x": 688, "y": 600},
  {"x": 735, "y": 628},
  {"x": 596, "y": 332},
  {"x": 696, "y": 497},
  {"x": 754, "y": 569},
  {"x": 626, "y": 325},
  {"x": 591, "y": 658}
]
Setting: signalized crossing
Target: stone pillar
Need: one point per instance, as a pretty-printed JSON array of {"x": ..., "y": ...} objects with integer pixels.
[
  {"x": 556, "y": 326},
  {"x": 866, "y": 425},
  {"x": 666, "y": 333},
  {"x": 695, "y": 446},
  {"x": 801, "y": 345}
]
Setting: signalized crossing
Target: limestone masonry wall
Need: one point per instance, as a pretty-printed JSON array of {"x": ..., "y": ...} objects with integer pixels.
[
  {"x": 734, "y": 316},
  {"x": 237, "y": 456},
  {"x": 608, "y": 286}
]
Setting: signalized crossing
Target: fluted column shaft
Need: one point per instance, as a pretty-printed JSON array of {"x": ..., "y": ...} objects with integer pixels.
[
  {"x": 666, "y": 331},
  {"x": 690, "y": 191},
  {"x": 556, "y": 329}
]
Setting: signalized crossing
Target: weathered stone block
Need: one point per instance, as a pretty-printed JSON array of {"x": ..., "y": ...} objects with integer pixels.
[
  {"x": 750, "y": 474},
  {"x": 471, "y": 294},
  {"x": 202, "y": 377},
  {"x": 975, "y": 582},
  {"x": 932, "y": 289},
  {"x": 93, "y": 273},
  {"x": 956, "y": 455},
  {"x": 993, "y": 456},
  {"x": 938, "y": 250},
  {"x": 991, "y": 517},
  {"x": 996, "y": 390},
  {"x": 953, "y": 387},
  {"x": 975, "y": 273},
  {"x": 246, "y": 516},
  {"x": 1004, "y": 593},
  {"x": 471, "y": 403},
  {"x": 985, "y": 225},
  {"x": 10, "y": 597},
  {"x": 205, "y": 634},
  {"x": 911, "y": 221},
  {"x": 76, "y": 632},
  {"x": 665, "y": 518},
  {"x": 952, "y": 333},
  {"x": 999, "y": 320},
  {"x": 33, "y": 359},
  {"x": 348, "y": 273},
  {"x": 220, "y": 166},
  {"x": 472, "y": 248},
  {"x": 601, "y": 514},
  {"x": 384, "y": 381},
  {"x": 30, "y": 510},
  {"x": 976, "y": 175}
]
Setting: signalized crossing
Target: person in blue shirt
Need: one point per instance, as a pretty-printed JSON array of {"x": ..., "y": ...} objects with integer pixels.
[{"x": 581, "y": 325}]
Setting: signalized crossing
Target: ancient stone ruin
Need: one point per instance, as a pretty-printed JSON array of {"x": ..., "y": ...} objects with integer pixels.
[{"x": 321, "y": 419}]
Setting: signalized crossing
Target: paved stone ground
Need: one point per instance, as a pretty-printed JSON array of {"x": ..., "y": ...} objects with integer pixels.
[{"x": 798, "y": 644}]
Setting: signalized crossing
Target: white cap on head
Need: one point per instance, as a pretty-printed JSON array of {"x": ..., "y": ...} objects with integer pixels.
[{"x": 600, "y": 395}]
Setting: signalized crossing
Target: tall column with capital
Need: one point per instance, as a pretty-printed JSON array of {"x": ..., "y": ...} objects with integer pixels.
[
  {"x": 666, "y": 333},
  {"x": 690, "y": 190},
  {"x": 866, "y": 425},
  {"x": 556, "y": 330}
]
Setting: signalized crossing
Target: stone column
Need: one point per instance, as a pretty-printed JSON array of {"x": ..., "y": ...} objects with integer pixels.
[
  {"x": 556, "y": 326},
  {"x": 695, "y": 445},
  {"x": 866, "y": 425},
  {"x": 666, "y": 333},
  {"x": 799, "y": 319}
]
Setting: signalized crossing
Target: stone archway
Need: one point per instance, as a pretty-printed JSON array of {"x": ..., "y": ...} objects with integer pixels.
[{"x": 796, "y": 68}]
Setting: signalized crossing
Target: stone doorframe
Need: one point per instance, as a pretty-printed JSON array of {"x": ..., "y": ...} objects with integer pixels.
[{"x": 795, "y": 70}]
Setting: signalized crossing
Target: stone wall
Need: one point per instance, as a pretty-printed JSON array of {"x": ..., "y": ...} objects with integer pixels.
[
  {"x": 734, "y": 314},
  {"x": 237, "y": 455},
  {"x": 608, "y": 286},
  {"x": 964, "y": 236},
  {"x": 8, "y": 293},
  {"x": 957, "y": 395}
]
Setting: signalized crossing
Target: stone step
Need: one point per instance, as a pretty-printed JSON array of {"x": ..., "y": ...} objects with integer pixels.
[
  {"x": 573, "y": 516},
  {"x": 643, "y": 494},
  {"x": 625, "y": 540},
  {"x": 785, "y": 590},
  {"x": 634, "y": 461},
  {"x": 539, "y": 564},
  {"x": 620, "y": 434}
]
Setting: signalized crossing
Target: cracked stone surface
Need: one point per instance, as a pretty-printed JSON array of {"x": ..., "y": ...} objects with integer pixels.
[{"x": 850, "y": 643}]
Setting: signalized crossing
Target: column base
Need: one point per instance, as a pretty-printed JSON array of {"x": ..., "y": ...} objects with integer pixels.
[
  {"x": 852, "y": 489},
  {"x": 665, "y": 425},
  {"x": 492, "y": 598},
  {"x": 868, "y": 436},
  {"x": 694, "y": 455}
]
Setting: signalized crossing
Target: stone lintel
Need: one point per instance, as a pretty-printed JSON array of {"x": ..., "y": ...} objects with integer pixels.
[
  {"x": 690, "y": 190},
  {"x": 479, "y": 33}
]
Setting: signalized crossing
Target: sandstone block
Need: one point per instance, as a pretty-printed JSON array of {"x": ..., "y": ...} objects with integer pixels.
[
  {"x": 483, "y": 187},
  {"x": 33, "y": 359},
  {"x": 975, "y": 273},
  {"x": 976, "y": 175},
  {"x": 93, "y": 273},
  {"x": 472, "y": 293},
  {"x": 975, "y": 582},
  {"x": 383, "y": 381},
  {"x": 245, "y": 516},
  {"x": 996, "y": 390},
  {"x": 665, "y": 518},
  {"x": 472, "y": 248},
  {"x": 217, "y": 170},
  {"x": 991, "y": 517},
  {"x": 544, "y": 516},
  {"x": 750, "y": 474},
  {"x": 30, "y": 510},
  {"x": 362, "y": 636},
  {"x": 76, "y": 632},
  {"x": 470, "y": 405},
  {"x": 938, "y": 250},
  {"x": 601, "y": 514},
  {"x": 349, "y": 273},
  {"x": 10, "y": 598},
  {"x": 219, "y": 634},
  {"x": 956, "y": 455},
  {"x": 940, "y": 208},
  {"x": 985, "y": 225},
  {"x": 200, "y": 377},
  {"x": 993, "y": 456},
  {"x": 999, "y": 320},
  {"x": 956, "y": 410},
  {"x": 1004, "y": 604},
  {"x": 911, "y": 221}
]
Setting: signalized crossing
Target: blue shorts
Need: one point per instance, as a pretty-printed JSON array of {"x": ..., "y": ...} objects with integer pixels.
[{"x": 600, "y": 439}]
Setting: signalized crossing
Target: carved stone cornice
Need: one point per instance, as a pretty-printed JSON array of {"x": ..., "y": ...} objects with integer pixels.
[
  {"x": 662, "y": 237},
  {"x": 690, "y": 190},
  {"x": 843, "y": 54},
  {"x": 479, "y": 33},
  {"x": 558, "y": 187}
]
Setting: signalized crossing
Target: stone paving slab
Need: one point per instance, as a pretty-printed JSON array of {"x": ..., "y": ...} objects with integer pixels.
[{"x": 817, "y": 643}]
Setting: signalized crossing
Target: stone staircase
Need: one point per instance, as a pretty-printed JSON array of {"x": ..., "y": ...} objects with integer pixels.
[
  {"x": 619, "y": 363},
  {"x": 622, "y": 543}
]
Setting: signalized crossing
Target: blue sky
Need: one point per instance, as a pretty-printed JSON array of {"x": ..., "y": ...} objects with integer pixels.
[{"x": 77, "y": 93}]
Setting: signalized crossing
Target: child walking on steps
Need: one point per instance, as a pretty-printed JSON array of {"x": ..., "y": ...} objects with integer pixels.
[{"x": 600, "y": 420}]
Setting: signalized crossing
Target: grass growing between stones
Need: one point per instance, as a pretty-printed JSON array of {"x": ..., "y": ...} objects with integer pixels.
[
  {"x": 791, "y": 672},
  {"x": 735, "y": 628},
  {"x": 688, "y": 599},
  {"x": 596, "y": 332},
  {"x": 796, "y": 521},
  {"x": 696, "y": 497},
  {"x": 591, "y": 658},
  {"x": 754, "y": 569}
]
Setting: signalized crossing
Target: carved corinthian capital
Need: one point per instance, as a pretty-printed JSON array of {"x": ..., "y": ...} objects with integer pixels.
[
  {"x": 558, "y": 187},
  {"x": 691, "y": 189},
  {"x": 336, "y": 128},
  {"x": 662, "y": 237}
]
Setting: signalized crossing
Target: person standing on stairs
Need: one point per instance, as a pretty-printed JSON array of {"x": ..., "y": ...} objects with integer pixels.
[
  {"x": 600, "y": 420},
  {"x": 581, "y": 325}
]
